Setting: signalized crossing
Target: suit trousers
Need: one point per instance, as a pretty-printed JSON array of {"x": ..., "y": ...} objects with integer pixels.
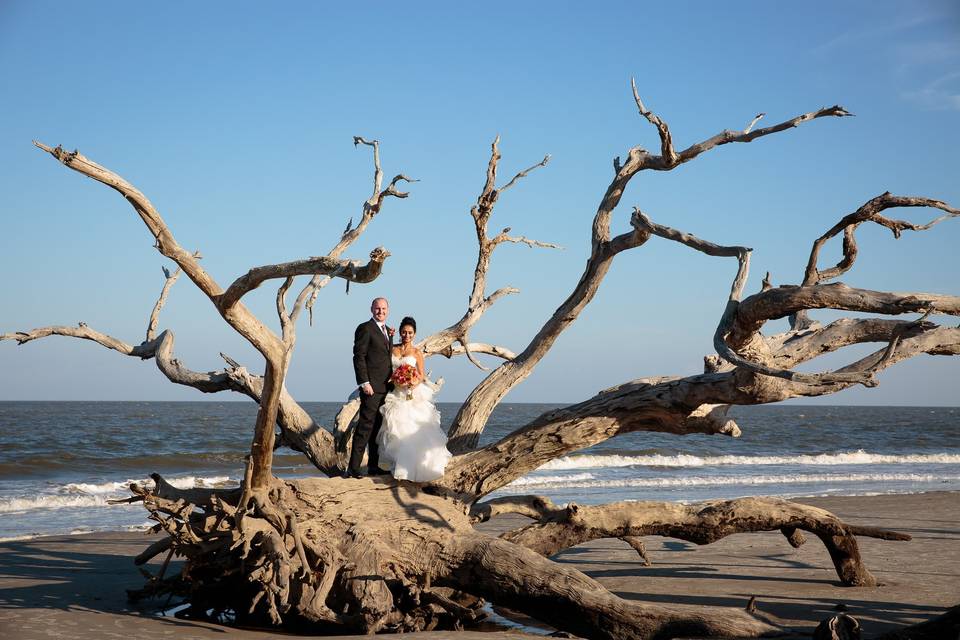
[{"x": 366, "y": 432}]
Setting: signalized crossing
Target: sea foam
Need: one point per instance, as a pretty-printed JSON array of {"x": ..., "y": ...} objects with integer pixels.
[
  {"x": 81, "y": 494},
  {"x": 685, "y": 460},
  {"x": 577, "y": 481}
]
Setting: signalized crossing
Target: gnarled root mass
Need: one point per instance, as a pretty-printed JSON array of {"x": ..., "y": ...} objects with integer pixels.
[
  {"x": 306, "y": 555},
  {"x": 361, "y": 556}
]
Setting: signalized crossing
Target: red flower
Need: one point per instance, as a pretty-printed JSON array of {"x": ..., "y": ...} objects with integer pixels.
[{"x": 403, "y": 375}]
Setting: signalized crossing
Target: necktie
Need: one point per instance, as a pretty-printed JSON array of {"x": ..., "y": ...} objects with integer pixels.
[{"x": 383, "y": 329}]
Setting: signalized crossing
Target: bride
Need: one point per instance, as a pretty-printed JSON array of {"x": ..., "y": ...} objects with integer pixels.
[{"x": 412, "y": 444}]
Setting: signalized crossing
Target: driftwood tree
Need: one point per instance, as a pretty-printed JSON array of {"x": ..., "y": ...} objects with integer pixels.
[{"x": 378, "y": 554}]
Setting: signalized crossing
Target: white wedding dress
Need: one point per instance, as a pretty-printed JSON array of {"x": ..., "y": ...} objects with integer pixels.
[{"x": 412, "y": 444}]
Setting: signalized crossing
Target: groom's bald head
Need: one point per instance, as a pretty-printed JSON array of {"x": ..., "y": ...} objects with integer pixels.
[{"x": 379, "y": 309}]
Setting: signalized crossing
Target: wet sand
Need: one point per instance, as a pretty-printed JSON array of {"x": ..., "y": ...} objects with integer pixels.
[{"x": 74, "y": 586}]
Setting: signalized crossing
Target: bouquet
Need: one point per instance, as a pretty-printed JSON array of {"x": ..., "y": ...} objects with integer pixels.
[{"x": 403, "y": 376}]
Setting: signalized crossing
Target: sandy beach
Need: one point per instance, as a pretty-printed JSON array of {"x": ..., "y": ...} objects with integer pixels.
[{"x": 74, "y": 586}]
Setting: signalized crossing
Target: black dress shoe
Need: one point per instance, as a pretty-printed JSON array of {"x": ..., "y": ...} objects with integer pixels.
[
  {"x": 347, "y": 473},
  {"x": 378, "y": 472}
]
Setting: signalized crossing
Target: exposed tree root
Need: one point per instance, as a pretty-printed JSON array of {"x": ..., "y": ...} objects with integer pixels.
[
  {"x": 362, "y": 556},
  {"x": 701, "y": 523},
  {"x": 569, "y": 600}
]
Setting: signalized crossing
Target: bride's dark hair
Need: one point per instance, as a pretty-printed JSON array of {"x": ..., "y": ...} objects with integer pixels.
[{"x": 409, "y": 322}]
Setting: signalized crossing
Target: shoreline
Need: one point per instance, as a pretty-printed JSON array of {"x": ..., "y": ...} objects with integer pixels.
[
  {"x": 73, "y": 586},
  {"x": 142, "y": 528}
]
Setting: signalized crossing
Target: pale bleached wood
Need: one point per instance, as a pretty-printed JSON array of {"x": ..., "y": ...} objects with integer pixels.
[
  {"x": 455, "y": 339},
  {"x": 363, "y": 556},
  {"x": 169, "y": 280},
  {"x": 80, "y": 331},
  {"x": 275, "y": 351},
  {"x": 371, "y": 207},
  {"x": 740, "y": 321},
  {"x": 569, "y": 600},
  {"x": 536, "y": 507},
  {"x": 298, "y": 429},
  {"x": 678, "y": 405},
  {"x": 345, "y": 269},
  {"x": 870, "y": 212},
  {"x": 476, "y": 410},
  {"x": 702, "y": 523}
]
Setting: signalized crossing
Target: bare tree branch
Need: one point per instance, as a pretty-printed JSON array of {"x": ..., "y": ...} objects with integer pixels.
[
  {"x": 666, "y": 140},
  {"x": 170, "y": 279},
  {"x": 693, "y": 404},
  {"x": 525, "y": 172},
  {"x": 345, "y": 269},
  {"x": 734, "y": 312},
  {"x": 371, "y": 207},
  {"x": 276, "y": 353},
  {"x": 753, "y": 122},
  {"x": 166, "y": 243},
  {"x": 298, "y": 429},
  {"x": 476, "y": 410},
  {"x": 286, "y": 325},
  {"x": 455, "y": 339},
  {"x": 84, "y": 332},
  {"x": 503, "y": 237},
  {"x": 727, "y": 137},
  {"x": 869, "y": 212}
]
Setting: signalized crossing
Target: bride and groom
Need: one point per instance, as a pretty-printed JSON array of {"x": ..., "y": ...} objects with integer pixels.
[{"x": 398, "y": 421}]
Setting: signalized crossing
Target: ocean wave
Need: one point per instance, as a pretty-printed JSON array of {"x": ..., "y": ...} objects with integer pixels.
[
  {"x": 28, "y": 536},
  {"x": 112, "y": 488},
  {"x": 576, "y": 482},
  {"x": 685, "y": 460},
  {"x": 20, "y": 505},
  {"x": 549, "y": 480},
  {"x": 80, "y": 494}
]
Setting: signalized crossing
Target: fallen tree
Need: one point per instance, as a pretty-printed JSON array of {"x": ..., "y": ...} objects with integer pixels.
[{"x": 378, "y": 554}]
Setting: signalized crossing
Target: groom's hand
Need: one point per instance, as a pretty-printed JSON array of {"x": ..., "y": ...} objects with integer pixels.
[{"x": 367, "y": 389}]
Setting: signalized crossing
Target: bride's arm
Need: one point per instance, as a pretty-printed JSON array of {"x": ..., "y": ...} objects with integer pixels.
[{"x": 421, "y": 376}]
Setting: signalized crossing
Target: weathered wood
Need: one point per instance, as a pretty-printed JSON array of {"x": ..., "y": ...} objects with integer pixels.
[
  {"x": 383, "y": 555},
  {"x": 702, "y": 523},
  {"x": 455, "y": 339},
  {"x": 473, "y": 414},
  {"x": 569, "y": 600},
  {"x": 276, "y": 353}
]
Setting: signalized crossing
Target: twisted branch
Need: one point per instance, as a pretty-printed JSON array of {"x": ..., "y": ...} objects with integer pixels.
[
  {"x": 455, "y": 339},
  {"x": 476, "y": 410},
  {"x": 371, "y": 207}
]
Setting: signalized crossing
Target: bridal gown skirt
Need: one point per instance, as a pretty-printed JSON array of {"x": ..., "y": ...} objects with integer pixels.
[{"x": 412, "y": 444}]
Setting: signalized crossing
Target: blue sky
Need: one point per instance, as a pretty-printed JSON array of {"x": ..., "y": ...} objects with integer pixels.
[{"x": 236, "y": 119}]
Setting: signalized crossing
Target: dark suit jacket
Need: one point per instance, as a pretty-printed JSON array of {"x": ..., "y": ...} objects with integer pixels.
[{"x": 371, "y": 356}]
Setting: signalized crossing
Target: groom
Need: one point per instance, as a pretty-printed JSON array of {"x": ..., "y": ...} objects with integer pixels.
[{"x": 371, "y": 364}]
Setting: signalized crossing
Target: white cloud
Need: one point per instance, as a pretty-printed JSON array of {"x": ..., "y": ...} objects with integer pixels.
[
  {"x": 928, "y": 52},
  {"x": 873, "y": 32},
  {"x": 940, "y": 94}
]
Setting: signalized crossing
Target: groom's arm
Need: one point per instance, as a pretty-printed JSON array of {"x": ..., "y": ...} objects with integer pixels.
[{"x": 361, "y": 342}]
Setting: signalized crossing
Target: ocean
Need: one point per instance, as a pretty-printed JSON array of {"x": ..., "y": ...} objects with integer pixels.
[{"x": 61, "y": 461}]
